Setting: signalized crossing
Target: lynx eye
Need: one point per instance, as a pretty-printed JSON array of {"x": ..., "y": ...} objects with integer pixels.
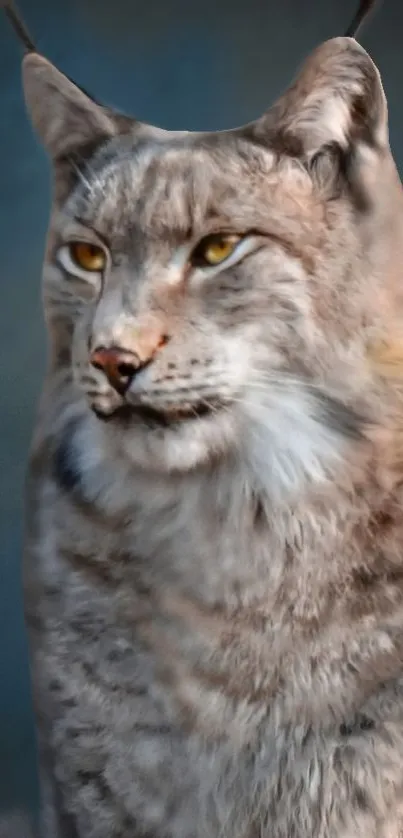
[
  {"x": 88, "y": 257},
  {"x": 214, "y": 249},
  {"x": 83, "y": 260}
]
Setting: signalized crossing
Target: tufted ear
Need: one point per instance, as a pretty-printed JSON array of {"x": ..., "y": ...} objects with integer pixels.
[
  {"x": 64, "y": 117},
  {"x": 337, "y": 101}
]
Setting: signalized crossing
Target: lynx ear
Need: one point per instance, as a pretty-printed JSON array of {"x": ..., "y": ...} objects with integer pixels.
[
  {"x": 63, "y": 116},
  {"x": 337, "y": 100}
]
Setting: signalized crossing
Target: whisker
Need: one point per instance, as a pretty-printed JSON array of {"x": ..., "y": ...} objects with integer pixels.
[{"x": 209, "y": 405}]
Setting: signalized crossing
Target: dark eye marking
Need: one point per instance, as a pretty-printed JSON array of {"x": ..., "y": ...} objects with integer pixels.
[{"x": 84, "y": 223}]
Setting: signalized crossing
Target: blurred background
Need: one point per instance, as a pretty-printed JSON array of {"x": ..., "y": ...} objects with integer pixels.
[{"x": 184, "y": 64}]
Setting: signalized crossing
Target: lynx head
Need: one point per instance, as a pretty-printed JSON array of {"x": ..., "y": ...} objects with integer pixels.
[{"x": 214, "y": 294}]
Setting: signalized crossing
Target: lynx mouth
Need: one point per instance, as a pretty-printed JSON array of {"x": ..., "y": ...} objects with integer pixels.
[{"x": 126, "y": 414}]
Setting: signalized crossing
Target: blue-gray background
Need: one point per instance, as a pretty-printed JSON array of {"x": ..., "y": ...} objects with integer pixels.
[{"x": 194, "y": 64}]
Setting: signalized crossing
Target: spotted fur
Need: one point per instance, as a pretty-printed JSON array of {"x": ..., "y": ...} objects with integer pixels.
[{"x": 215, "y": 603}]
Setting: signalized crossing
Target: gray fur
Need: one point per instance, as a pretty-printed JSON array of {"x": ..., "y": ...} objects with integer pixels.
[{"x": 216, "y": 603}]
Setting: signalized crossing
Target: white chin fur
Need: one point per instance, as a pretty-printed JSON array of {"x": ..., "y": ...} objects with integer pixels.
[
  {"x": 181, "y": 448},
  {"x": 277, "y": 434}
]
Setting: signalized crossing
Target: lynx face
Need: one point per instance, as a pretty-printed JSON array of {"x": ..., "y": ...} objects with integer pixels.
[
  {"x": 214, "y": 287},
  {"x": 201, "y": 299}
]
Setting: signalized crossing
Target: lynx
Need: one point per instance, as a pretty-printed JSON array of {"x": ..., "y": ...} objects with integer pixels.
[{"x": 214, "y": 540}]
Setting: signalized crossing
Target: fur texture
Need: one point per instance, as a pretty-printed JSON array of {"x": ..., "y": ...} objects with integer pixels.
[{"x": 213, "y": 576}]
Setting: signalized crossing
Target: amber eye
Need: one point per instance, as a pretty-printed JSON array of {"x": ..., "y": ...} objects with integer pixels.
[
  {"x": 88, "y": 257},
  {"x": 214, "y": 249}
]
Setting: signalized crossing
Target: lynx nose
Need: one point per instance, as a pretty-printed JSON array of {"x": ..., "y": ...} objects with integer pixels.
[{"x": 119, "y": 366}]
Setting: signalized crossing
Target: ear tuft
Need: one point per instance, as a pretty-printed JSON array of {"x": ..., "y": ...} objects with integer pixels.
[{"x": 64, "y": 117}]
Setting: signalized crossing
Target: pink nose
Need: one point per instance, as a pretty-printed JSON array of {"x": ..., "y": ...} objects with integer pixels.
[{"x": 118, "y": 365}]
